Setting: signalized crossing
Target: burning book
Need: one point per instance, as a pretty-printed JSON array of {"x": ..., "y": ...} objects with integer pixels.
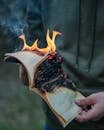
[{"x": 46, "y": 77}]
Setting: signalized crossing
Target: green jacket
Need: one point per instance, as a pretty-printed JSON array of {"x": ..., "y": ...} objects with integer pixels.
[
  {"x": 81, "y": 45},
  {"x": 81, "y": 23}
]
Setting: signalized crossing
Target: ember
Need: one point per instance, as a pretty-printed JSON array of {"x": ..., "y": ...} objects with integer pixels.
[{"x": 50, "y": 74}]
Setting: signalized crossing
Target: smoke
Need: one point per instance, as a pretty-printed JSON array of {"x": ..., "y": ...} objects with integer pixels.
[
  {"x": 13, "y": 23},
  {"x": 13, "y": 16},
  {"x": 21, "y": 17}
]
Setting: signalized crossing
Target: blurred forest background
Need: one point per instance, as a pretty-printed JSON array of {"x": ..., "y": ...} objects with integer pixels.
[{"x": 20, "y": 109}]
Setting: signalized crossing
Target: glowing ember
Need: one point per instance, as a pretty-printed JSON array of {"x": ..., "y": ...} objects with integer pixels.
[{"x": 50, "y": 44}]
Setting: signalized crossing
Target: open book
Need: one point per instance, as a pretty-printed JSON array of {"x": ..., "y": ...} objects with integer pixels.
[{"x": 47, "y": 79}]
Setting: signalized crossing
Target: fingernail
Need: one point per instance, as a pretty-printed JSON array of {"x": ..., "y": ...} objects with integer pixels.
[{"x": 77, "y": 101}]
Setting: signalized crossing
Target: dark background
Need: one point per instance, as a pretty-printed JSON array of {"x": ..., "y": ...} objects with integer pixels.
[{"x": 20, "y": 109}]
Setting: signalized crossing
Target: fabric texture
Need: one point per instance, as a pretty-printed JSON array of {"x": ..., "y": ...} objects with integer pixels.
[{"x": 81, "y": 46}]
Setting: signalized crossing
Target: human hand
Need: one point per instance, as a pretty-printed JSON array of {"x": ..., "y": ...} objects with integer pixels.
[
  {"x": 96, "y": 110},
  {"x": 23, "y": 75}
]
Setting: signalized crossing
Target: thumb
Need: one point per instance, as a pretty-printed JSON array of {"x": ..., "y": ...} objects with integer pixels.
[{"x": 84, "y": 102}]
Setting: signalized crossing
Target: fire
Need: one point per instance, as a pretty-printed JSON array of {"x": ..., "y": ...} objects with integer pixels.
[{"x": 50, "y": 44}]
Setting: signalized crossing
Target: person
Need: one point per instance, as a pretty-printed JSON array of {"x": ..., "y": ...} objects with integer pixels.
[{"x": 81, "y": 46}]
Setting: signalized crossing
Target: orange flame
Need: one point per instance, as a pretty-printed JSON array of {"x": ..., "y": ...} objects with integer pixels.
[{"x": 50, "y": 44}]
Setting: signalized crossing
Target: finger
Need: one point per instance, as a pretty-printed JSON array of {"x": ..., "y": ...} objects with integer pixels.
[
  {"x": 85, "y": 102},
  {"x": 84, "y": 116},
  {"x": 23, "y": 75},
  {"x": 22, "y": 69},
  {"x": 81, "y": 117}
]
